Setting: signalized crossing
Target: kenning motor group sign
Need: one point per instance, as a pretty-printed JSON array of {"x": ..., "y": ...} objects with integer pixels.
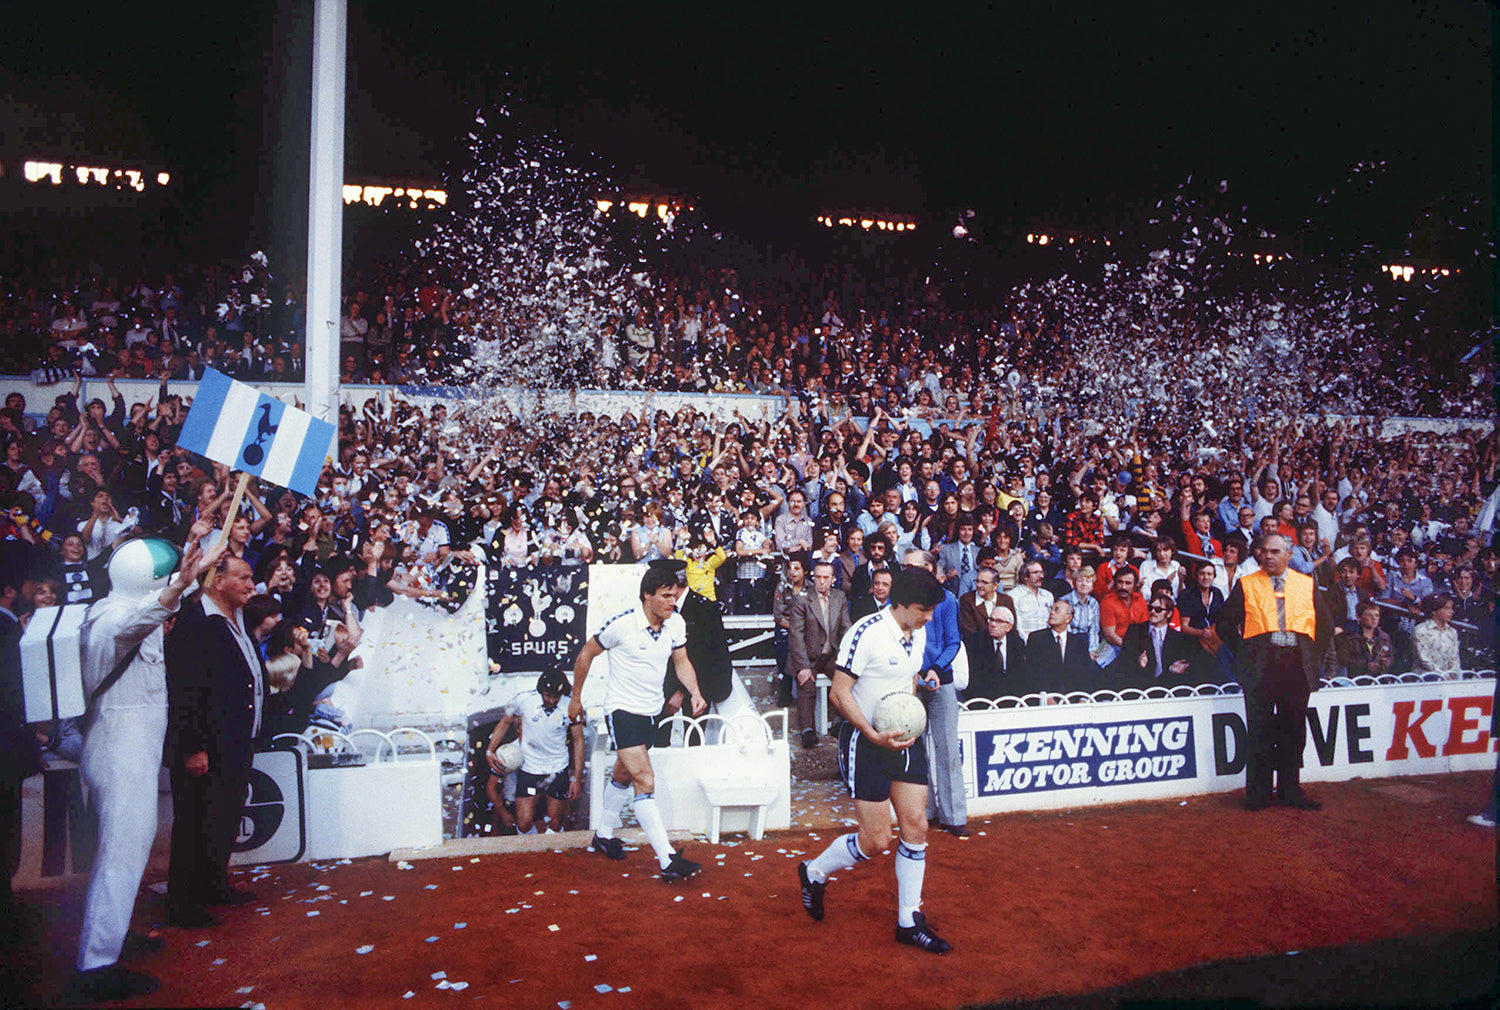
[{"x": 1110, "y": 752}]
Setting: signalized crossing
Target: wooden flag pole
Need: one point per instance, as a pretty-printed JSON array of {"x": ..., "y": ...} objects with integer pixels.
[
  {"x": 234, "y": 503},
  {"x": 229, "y": 517}
]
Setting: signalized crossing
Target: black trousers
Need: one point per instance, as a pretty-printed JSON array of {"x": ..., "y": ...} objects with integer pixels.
[
  {"x": 10, "y": 838},
  {"x": 206, "y": 812},
  {"x": 1276, "y": 725}
]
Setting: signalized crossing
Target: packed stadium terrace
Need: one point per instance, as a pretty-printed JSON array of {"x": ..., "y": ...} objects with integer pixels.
[{"x": 896, "y": 425}]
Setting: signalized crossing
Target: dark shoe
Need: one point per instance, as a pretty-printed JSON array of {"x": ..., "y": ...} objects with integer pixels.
[
  {"x": 680, "y": 868},
  {"x": 919, "y": 934},
  {"x": 192, "y": 917},
  {"x": 112, "y": 983},
  {"x": 1256, "y": 802},
  {"x": 809, "y": 739},
  {"x": 1301, "y": 801},
  {"x": 812, "y": 893},
  {"x": 611, "y": 847},
  {"x": 141, "y": 944},
  {"x": 957, "y": 830},
  {"x": 232, "y": 896}
]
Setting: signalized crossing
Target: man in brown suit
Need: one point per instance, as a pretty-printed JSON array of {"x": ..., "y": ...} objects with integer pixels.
[
  {"x": 975, "y": 607},
  {"x": 818, "y": 622}
]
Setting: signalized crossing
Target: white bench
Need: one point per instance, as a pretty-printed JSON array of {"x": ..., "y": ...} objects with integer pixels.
[{"x": 753, "y": 794}]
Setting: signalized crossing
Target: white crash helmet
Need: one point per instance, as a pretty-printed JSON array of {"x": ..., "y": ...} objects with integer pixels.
[{"x": 142, "y": 567}]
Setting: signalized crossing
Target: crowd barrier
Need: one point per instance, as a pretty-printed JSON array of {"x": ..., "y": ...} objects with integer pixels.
[{"x": 523, "y": 401}]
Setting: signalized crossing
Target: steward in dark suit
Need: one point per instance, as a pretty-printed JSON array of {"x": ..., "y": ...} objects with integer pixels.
[
  {"x": 215, "y": 692},
  {"x": 1278, "y": 627},
  {"x": 707, "y": 649}
]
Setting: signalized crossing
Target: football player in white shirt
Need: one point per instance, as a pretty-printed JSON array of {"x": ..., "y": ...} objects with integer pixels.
[
  {"x": 639, "y": 642},
  {"x": 880, "y": 654},
  {"x": 548, "y": 740}
]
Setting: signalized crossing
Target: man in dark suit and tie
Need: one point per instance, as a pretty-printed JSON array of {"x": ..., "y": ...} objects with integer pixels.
[
  {"x": 1154, "y": 652},
  {"x": 20, "y": 756},
  {"x": 878, "y": 596},
  {"x": 818, "y": 623},
  {"x": 215, "y": 693},
  {"x": 1057, "y": 659},
  {"x": 997, "y": 658}
]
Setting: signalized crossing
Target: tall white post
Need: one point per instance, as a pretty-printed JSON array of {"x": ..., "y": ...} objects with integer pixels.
[{"x": 325, "y": 209}]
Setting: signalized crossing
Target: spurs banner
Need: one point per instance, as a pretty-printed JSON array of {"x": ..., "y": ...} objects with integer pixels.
[
  {"x": 1110, "y": 752},
  {"x": 534, "y": 617}
]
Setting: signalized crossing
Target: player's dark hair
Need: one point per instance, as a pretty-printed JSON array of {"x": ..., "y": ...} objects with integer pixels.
[
  {"x": 554, "y": 681},
  {"x": 655, "y": 580},
  {"x": 915, "y": 587}
]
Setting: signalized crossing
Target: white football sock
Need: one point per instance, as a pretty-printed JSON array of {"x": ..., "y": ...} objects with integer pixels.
[
  {"x": 615, "y": 795},
  {"x": 651, "y": 824},
  {"x": 911, "y": 867},
  {"x": 842, "y": 853}
]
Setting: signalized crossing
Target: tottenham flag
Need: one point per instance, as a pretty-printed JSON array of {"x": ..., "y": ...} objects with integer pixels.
[{"x": 234, "y": 424}]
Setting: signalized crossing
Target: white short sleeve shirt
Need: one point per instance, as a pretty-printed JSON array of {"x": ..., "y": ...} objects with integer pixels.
[
  {"x": 638, "y": 657},
  {"x": 880, "y": 659}
]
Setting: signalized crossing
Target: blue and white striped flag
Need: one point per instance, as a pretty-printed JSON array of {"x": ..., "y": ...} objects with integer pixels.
[{"x": 246, "y": 430}]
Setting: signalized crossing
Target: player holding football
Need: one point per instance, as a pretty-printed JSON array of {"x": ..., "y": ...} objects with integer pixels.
[
  {"x": 548, "y": 737},
  {"x": 639, "y": 642},
  {"x": 880, "y": 654}
]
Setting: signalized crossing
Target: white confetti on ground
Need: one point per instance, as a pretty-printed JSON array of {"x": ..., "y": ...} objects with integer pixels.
[{"x": 365, "y": 949}]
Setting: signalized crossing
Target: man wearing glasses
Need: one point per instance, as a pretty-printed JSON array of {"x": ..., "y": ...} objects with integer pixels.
[
  {"x": 1155, "y": 652},
  {"x": 974, "y": 608}
]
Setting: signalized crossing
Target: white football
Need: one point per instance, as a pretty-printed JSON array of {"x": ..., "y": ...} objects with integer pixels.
[
  {"x": 509, "y": 756},
  {"x": 901, "y": 711}
]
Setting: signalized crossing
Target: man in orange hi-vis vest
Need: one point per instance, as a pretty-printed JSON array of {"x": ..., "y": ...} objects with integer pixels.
[{"x": 1278, "y": 627}]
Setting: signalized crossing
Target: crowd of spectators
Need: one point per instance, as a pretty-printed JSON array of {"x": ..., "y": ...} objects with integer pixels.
[{"x": 896, "y": 431}]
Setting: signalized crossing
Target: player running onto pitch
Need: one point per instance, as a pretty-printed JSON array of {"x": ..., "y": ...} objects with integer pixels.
[
  {"x": 639, "y": 642},
  {"x": 548, "y": 739},
  {"x": 882, "y": 653}
]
